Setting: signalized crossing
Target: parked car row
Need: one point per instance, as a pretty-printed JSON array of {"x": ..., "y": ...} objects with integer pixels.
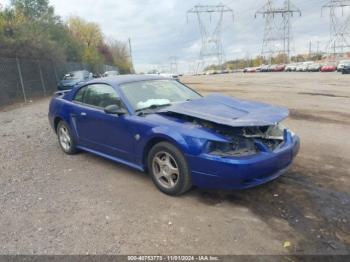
[
  {"x": 217, "y": 72},
  {"x": 166, "y": 75},
  {"x": 309, "y": 66}
]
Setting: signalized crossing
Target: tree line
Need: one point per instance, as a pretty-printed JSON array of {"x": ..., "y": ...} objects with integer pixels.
[{"x": 30, "y": 28}]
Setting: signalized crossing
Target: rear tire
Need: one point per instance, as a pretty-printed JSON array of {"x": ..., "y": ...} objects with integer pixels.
[
  {"x": 65, "y": 138},
  {"x": 168, "y": 169}
]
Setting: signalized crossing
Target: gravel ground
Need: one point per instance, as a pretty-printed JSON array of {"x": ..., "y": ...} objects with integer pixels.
[{"x": 51, "y": 203}]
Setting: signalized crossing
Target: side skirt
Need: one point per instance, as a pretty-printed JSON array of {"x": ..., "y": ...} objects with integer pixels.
[{"x": 118, "y": 160}]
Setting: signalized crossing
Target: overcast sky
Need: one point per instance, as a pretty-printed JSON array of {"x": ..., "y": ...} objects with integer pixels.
[{"x": 158, "y": 28}]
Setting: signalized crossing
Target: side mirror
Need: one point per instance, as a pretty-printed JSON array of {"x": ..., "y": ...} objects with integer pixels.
[{"x": 115, "y": 110}]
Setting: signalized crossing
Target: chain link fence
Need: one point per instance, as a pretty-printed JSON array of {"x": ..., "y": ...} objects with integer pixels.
[{"x": 23, "y": 79}]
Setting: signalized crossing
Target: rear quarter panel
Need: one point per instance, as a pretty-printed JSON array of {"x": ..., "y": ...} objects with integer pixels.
[{"x": 59, "y": 108}]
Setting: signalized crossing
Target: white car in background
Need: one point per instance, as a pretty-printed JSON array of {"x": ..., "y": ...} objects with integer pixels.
[
  {"x": 165, "y": 75},
  {"x": 303, "y": 67},
  {"x": 290, "y": 67},
  {"x": 314, "y": 67},
  {"x": 110, "y": 73},
  {"x": 299, "y": 67}
]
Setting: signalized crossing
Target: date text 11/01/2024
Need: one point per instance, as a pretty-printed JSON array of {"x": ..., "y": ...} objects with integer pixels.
[{"x": 173, "y": 258}]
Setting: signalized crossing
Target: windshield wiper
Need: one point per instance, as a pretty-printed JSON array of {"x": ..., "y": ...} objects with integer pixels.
[{"x": 154, "y": 106}]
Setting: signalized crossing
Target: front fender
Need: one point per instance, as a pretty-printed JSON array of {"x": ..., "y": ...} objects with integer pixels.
[
  {"x": 163, "y": 133},
  {"x": 187, "y": 145}
]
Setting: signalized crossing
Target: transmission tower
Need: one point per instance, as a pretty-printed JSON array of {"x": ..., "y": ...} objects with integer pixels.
[
  {"x": 211, "y": 34},
  {"x": 339, "y": 41},
  {"x": 277, "y": 35},
  {"x": 173, "y": 65}
]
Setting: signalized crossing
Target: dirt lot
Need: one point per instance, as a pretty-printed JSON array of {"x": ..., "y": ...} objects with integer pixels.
[{"x": 51, "y": 203}]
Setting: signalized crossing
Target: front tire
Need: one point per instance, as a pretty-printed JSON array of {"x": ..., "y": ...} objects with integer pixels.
[
  {"x": 168, "y": 169},
  {"x": 65, "y": 138}
]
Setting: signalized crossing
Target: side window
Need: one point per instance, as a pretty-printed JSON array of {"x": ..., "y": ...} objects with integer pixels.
[
  {"x": 80, "y": 95},
  {"x": 101, "y": 95}
]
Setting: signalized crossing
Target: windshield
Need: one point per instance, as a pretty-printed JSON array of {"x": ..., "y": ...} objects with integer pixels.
[{"x": 149, "y": 93}]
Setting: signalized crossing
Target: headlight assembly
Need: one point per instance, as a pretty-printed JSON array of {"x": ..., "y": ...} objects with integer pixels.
[{"x": 237, "y": 148}]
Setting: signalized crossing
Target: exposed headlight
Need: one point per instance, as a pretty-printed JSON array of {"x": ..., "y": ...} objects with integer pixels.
[{"x": 237, "y": 148}]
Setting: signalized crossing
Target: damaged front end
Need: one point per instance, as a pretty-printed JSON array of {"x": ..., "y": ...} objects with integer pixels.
[
  {"x": 248, "y": 141},
  {"x": 241, "y": 157},
  {"x": 234, "y": 144},
  {"x": 248, "y": 127},
  {"x": 243, "y": 141}
]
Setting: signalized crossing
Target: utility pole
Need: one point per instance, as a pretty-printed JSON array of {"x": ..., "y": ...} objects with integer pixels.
[
  {"x": 211, "y": 38},
  {"x": 339, "y": 41},
  {"x": 272, "y": 33},
  {"x": 130, "y": 57}
]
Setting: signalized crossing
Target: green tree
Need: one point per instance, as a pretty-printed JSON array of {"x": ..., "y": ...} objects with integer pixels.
[
  {"x": 30, "y": 28},
  {"x": 121, "y": 56},
  {"x": 34, "y": 9},
  {"x": 88, "y": 33}
]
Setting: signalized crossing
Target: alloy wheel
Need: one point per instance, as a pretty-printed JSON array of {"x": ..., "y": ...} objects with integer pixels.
[
  {"x": 165, "y": 169},
  {"x": 64, "y": 138}
]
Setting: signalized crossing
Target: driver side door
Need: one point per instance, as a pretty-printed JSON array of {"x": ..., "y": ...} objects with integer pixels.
[{"x": 97, "y": 130}]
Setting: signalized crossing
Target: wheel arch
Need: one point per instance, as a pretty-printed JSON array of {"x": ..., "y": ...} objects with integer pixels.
[
  {"x": 158, "y": 139},
  {"x": 56, "y": 120}
]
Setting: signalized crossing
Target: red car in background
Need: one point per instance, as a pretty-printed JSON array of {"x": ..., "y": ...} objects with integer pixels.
[
  {"x": 328, "y": 68},
  {"x": 279, "y": 68}
]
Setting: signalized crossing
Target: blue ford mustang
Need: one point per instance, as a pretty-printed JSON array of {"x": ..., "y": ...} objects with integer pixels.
[{"x": 182, "y": 139}]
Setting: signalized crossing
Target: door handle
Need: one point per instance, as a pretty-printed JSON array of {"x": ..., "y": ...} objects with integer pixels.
[{"x": 83, "y": 114}]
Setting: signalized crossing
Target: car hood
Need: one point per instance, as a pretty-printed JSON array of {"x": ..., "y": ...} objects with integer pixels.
[{"x": 229, "y": 111}]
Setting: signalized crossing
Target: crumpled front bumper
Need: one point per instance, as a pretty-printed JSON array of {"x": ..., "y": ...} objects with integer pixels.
[{"x": 214, "y": 172}]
